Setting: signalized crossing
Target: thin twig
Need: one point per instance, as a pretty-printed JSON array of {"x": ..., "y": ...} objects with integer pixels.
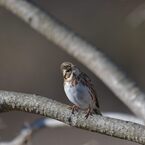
[
  {"x": 40, "y": 105},
  {"x": 23, "y": 138},
  {"x": 25, "y": 135},
  {"x": 89, "y": 55}
]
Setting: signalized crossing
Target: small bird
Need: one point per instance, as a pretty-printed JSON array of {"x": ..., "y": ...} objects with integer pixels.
[{"x": 79, "y": 89}]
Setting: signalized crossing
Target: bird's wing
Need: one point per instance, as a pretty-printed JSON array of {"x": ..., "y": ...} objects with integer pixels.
[{"x": 87, "y": 81}]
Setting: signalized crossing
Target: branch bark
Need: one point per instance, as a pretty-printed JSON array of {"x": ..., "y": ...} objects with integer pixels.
[
  {"x": 11, "y": 101},
  {"x": 95, "y": 60}
]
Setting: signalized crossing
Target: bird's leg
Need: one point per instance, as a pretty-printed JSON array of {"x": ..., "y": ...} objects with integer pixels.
[
  {"x": 88, "y": 112},
  {"x": 74, "y": 108}
]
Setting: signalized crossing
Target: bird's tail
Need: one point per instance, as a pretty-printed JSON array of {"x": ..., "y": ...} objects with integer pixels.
[{"x": 97, "y": 111}]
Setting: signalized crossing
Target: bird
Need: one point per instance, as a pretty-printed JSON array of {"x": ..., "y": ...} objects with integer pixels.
[{"x": 79, "y": 89}]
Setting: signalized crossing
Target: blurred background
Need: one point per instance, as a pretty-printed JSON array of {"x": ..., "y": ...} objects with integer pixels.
[{"x": 29, "y": 63}]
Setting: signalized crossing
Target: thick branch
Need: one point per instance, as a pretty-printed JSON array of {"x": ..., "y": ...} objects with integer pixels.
[
  {"x": 95, "y": 60},
  {"x": 40, "y": 105},
  {"x": 28, "y": 131}
]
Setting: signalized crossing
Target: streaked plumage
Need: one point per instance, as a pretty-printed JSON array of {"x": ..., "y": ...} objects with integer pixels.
[{"x": 79, "y": 89}]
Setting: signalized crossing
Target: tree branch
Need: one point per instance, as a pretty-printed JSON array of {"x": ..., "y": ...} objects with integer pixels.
[
  {"x": 25, "y": 135},
  {"x": 29, "y": 129},
  {"x": 95, "y": 60},
  {"x": 23, "y": 138},
  {"x": 11, "y": 101}
]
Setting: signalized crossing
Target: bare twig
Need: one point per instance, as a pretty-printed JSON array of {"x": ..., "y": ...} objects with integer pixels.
[
  {"x": 52, "y": 123},
  {"x": 25, "y": 135},
  {"x": 22, "y": 139},
  {"x": 10, "y": 101},
  {"x": 95, "y": 60}
]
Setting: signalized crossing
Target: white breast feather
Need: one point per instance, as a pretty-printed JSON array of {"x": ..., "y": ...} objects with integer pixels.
[{"x": 78, "y": 95}]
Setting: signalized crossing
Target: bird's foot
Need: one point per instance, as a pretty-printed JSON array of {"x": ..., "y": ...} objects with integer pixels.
[
  {"x": 88, "y": 112},
  {"x": 74, "y": 108}
]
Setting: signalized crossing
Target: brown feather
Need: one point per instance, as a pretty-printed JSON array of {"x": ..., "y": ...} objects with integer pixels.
[{"x": 87, "y": 82}]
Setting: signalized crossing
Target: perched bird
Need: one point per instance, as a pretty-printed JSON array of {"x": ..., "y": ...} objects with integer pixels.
[{"x": 79, "y": 89}]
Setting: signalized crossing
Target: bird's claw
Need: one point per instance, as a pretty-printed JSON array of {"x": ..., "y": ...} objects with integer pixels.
[
  {"x": 73, "y": 108},
  {"x": 88, "y": 112}
]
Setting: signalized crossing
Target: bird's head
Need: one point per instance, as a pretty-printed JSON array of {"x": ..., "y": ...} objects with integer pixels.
[{"x": 69, "y": 70}]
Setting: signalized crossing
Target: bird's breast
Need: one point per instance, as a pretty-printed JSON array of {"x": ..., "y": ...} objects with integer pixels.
[{"x": 78, "y": 94}]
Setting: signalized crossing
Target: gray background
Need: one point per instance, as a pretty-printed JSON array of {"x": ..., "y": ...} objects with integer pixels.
[{"x": 29, "y": 63}]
